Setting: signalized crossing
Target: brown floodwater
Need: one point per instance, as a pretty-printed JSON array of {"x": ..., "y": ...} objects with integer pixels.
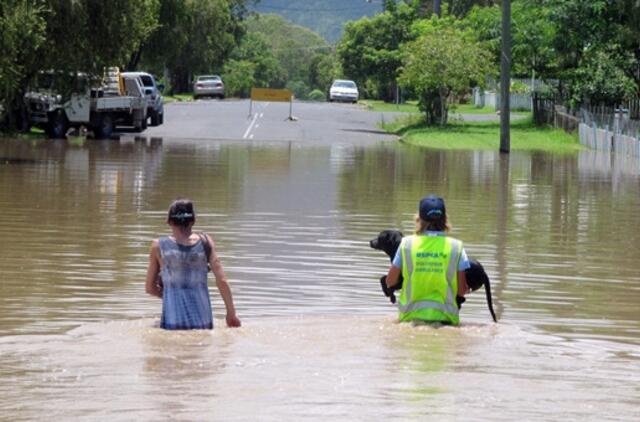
[{"x": 558, "y": 235}]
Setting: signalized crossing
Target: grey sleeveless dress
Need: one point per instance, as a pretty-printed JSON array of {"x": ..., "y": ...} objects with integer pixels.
[{"x": 185, "y": 296}]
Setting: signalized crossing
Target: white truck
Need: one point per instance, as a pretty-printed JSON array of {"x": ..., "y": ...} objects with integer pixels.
[{"x": 116, "y": 101}]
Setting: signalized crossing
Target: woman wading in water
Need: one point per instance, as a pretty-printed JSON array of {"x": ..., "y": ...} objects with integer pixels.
[{"x": 177, "y": 273}]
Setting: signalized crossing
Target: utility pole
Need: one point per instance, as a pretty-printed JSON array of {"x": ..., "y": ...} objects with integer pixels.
[
  {"x": 505, "y": 78},
  {"x": 437, "y": 9}
]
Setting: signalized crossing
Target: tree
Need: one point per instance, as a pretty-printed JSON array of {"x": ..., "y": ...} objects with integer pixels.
[
  {"x": 194, "y": 37},
  {"x": 298, "y": 51},
  {"x": 533, "y": 35},
  {"x": 370, "y": 48},
  {"x": 87, "y": 35},
  {"x": 586, "y": 29},
  {"x": 22, "y": 30},
  {"x": 601, "y": 77},
  {"x": 444, "y": 62},
  {"x": 239, "y": 77},
  {"x": 254, "y": 48}
]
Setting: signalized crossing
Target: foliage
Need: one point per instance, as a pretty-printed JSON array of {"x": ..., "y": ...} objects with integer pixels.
[
  {"x": 601, "y": 77},
  {"x": 533, "y": 35},
  {"x": 238, "y": 77},
  {"x": 370, "y": 48},
  {"x": 195, "y": 37},
  {"x": 442, "y": 63},
  {"x": 299, "y": 88},
  {"x": 256, "y": 49},
  {"x": 22, "y": 28},
  {"x": 86, "y": 35},
  {"x": 597, "y": 40},
  {"x": 317, "y": 95},
  {"x": 300, "y": 59}
]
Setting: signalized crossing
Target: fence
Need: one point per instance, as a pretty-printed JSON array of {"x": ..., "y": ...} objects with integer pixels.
[{"x": 611, "y": 129}]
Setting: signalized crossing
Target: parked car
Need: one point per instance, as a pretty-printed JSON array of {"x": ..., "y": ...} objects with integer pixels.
[
  {"x": 153, "y": 92},
  {"x": 208, "y": 86},
  {"x": 343, "y": 90}
]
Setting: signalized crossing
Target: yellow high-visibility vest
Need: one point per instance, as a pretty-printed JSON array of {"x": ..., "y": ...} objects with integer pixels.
[{"x": 430, "y": 272}]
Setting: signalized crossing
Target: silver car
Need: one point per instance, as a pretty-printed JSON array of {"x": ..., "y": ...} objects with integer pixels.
[{"x": 208, "y": 86}]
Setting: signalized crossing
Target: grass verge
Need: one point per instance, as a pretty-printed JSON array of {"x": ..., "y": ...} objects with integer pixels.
[
  {"x": 412, "y": 107},
  {"x": 178, "y": 97},
  {"x": 525, "y": 136},
  {"x": 376, "y": 105}
]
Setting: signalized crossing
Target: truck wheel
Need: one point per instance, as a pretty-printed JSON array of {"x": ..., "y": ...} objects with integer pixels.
[
  {"x": 57, "y": 125},
  {"x": 161, "y": 118},
  {"x": 103, "y": 127},
  {"x": 154, "y": 118}
]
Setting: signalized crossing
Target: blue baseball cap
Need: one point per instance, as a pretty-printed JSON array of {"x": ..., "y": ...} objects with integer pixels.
[{"x": 431, "y": 208}]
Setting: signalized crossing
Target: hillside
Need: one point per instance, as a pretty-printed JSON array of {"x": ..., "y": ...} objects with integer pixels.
[{"x": 325, "y": 17}]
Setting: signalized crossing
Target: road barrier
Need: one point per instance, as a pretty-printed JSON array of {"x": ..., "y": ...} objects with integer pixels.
[{"x": 275, "y": 95}]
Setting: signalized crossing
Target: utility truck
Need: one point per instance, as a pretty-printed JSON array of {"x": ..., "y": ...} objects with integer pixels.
[{"x": 115, "y": 100}]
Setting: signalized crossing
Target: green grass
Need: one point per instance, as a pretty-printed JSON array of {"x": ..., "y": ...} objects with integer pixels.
[
  {"x": 178, "y": 97},
  {"x": 376, "y": 105},
  {"x": 525, "y": 136},
  {"x": 34, "y": 133},
  {"x": 412, "y": 107},
  {"x": 471, "y": 109}
]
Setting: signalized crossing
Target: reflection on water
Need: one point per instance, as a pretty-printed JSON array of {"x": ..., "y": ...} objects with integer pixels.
[{"x": 292, "y": 224}]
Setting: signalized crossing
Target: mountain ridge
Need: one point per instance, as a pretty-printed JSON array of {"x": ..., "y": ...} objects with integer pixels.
[{"x": 326, "y": 17}]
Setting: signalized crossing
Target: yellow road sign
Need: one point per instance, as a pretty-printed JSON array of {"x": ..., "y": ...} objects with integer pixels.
[{"x": 267, "y": 94}]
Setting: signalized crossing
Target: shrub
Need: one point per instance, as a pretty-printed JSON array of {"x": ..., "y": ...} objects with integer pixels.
[{"x": 317, "y": 95}]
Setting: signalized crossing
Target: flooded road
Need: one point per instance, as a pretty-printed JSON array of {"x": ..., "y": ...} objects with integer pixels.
[{"x": 557, "y": 235}]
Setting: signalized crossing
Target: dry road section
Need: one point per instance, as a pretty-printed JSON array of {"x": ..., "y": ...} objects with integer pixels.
[{"x": 231, "y": 120}]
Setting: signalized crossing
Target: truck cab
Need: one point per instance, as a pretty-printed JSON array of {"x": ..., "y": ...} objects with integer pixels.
[
  {"x": 153, "y": 92},
  {"x": 61, "y": 101}
]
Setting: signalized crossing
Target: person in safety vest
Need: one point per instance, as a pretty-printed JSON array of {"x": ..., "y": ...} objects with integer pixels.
[{"x": 432, "y": 265}]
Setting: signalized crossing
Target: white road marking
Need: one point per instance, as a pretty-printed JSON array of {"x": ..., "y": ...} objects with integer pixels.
[{"x": 255, "y": 117}]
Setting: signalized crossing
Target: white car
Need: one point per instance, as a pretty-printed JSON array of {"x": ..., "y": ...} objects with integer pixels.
[
  {"x": 343, "y": 90},
  {"x": 153, "y": 92}
]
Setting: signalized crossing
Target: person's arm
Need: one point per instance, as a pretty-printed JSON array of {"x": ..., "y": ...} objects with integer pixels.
[
  {"x": 153, "y": 270},
  {"x": 395, "y": 270},
  {"x": 463, "y": 265},
  {"x": 463, "y": 289},
  {"x": 223, "y": 286},
  {"x": 393, "y": 275}
]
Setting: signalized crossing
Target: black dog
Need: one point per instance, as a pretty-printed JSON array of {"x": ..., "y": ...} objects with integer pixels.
[{"x": 388, "y": 241}]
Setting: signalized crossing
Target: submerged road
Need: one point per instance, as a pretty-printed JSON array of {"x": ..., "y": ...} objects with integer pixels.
[{"x": 312, "y": 123}]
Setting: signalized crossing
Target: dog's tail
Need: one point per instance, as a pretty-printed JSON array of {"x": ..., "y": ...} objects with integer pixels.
[{"x": 487, "y": 290}]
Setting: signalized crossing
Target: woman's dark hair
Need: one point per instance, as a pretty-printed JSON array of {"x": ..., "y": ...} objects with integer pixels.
[{"x": 181, "y": 213}]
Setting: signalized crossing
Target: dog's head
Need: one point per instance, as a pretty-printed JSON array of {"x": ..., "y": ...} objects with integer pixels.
[{"x": 387, "y": 241}]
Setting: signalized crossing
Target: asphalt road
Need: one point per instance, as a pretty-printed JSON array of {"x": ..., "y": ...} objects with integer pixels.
[{"x": 313, "y": 123}]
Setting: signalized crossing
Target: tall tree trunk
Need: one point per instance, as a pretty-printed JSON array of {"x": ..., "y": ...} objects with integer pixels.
[
  {"x": 437, "y": 7},
  {"x": 134, "y": 60}
]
